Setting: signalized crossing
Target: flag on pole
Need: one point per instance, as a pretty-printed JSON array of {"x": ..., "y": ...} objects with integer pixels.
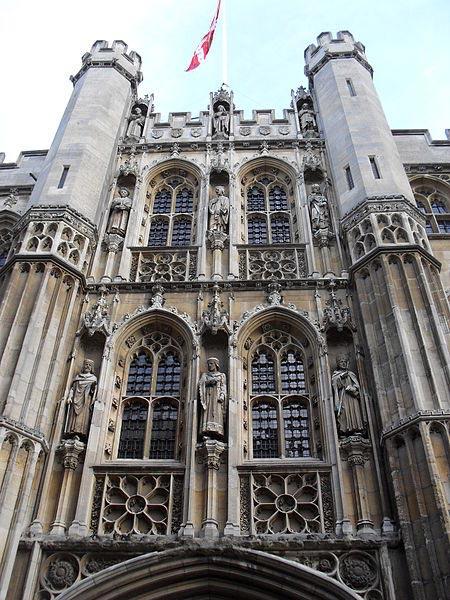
[{"x": 204, "y": 46}]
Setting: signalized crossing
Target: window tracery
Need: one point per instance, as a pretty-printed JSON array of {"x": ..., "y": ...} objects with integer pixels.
[
  {"x": 173, "y": 193},
  {"x": 433, "y": 199},
  {"x": 149, "y": 424},
  {"x": 280, "y": 397},
  {"x": 267, "y": 208}
]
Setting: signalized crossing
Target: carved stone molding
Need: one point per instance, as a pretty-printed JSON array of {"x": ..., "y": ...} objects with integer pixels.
[
  {"x": 215, "y": 318},
  {"x": 96, "y": 319},
  {"x": 335, "y": 314},
  {"x": 70, "y": 451},
  {"x": 210, "y": 452}
]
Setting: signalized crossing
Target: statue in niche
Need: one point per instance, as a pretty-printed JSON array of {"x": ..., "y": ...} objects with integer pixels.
[
  {"x": 213, "y": 394},
  {"x": 307, "y": 120},
  {"x": 320, "y": 214},
  {"x": 219, "y": 210},
  {"x": 119, "y": 213},
  {"x": 347, "y": 399},
  {"x": 136, "y": 124},
  {"x": 221, "y": 120},
  {"x": 80, "y": 400}
]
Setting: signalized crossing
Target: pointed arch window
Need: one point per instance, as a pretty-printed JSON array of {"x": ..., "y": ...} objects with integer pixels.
[
  {"x": 162, "y": 203},
  {"x": 151, "y": 401},
  {"x": 267, "y": 210},
  {"x": 438, "y": 207},
  {"x": 433, "y": 199},
  {"x": 184, "y": 201},
  {"x": 279, "y": 398},
  {"x": 181, "y": 234}
]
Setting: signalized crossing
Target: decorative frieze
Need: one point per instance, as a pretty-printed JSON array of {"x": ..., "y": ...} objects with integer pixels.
[
  {"x": 163, "y": 265},
  {"x": 270, "y": 263}
]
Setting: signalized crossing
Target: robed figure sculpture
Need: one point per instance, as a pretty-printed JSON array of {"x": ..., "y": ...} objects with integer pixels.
[
  {"x": 213, "y": 394},
  {"x": 347, "y": 400},
  {"x": 80, "y": 400}
]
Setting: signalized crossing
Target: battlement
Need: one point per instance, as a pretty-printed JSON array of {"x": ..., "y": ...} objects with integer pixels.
[
  {"x": 342, "y": 46},
  {"x": 116, "y": 55}
]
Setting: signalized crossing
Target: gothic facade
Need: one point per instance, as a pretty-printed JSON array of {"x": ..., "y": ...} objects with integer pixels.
[{"x": 224, "y": 346}]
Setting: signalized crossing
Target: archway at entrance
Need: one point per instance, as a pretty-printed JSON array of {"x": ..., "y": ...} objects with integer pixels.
[{"x": 209, "y": 573}]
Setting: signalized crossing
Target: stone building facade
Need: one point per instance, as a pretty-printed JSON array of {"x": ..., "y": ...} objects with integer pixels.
[{"x": 224, "y": 346}]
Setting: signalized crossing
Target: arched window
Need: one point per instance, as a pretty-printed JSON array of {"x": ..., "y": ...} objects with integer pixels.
[
  {"x": 433, "y": 199},
  {"x": 181, "y": 234},
  {"x": 173, "y": 193},
  {"x": 267, "y": 208},
  {"x": 149, "y": 426},
  {"x": 257, "y": 230},
  {"x": 132, "y": 433},
  {"x": 164, "y": 429},
  {"x": 265, "y": 430},
  {"x": 139, "y": 375},
  {"x": 263, "y": 373},
  {"x": 159, "y": 230},
  {"x": 279, "y": 397}
]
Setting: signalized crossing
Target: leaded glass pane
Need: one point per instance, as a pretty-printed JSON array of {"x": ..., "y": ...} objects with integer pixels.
[
  {"x": 265, "y": 430},
  {"x": 255, "y": 199},
  {"x": 163, "y": 202},
  {"x": 257, "y": 230},
  {"x": 278, "y": 198},
  {"x": 3, "y": 257},
  {"x": 181, "y": 234},
  {"x": 292, "y": 373},
  {"x": 164, "y": 430},
  {"x": 444, "y": 226},
  {"x": 421, "y": 206},
  {"x": 296, "y": 430},
  {"x": 281, "y": 230},
  {"x": 158, "y": 232},
  {"x": 168, "y": 377},
  {"x": 438, "y": 207},
  {"x": 140, "y": 375},
  {"x": 263, "y": 374},
  {"x": 429, "y": 227},
  {"x": 132, "y": 433},
  {"x": 183, "y": 202}
]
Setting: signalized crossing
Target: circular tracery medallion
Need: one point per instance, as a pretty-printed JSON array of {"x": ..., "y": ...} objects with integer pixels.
[
  {"x": 136, "y": 504},
  {"x": 286, "y": 503}
]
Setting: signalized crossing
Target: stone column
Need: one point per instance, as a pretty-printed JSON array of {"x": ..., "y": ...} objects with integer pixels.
[
  {"x": 356, "y": 451},
  {"x": 217, "y": 241},
  {"x": 211, "y": 451},
  {"x": 113, "y": 243},
  {"x": 70, "y": 451}
]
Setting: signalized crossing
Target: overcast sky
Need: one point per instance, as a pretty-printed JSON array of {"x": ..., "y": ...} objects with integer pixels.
[{"x": 43, "y": 40}]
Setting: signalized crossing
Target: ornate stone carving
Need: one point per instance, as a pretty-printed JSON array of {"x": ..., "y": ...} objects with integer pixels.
[
  {"x": 157, "y": 300},
  {"x": 219, "y": 162},
  {"x": 211, "y": 452},
  {"x": 358, "y": 570},
  {"x": 215, "y": 318},
  {"x": 129, "y": 167},
  {"x": 335, "y": 314},
  {"x": 80, "y": 400},
  {"x": 12, "y": 198},
  {"x": 274, "y": 297},
  {"x": 196, "y": 132},
  {"x": 347, "y": 400},
  {"x": 70, "y": 451},
  {"x": 212, "y": 389},
  {"x": 136, "y": 504},
  {"x": 165, "y": 266},
  {"x": 157, "y": 133},
  {"x": 112, "y": 242},
  {"x": 269, "y": 264},
  {"x": 264, "y": 130},
  {"x": 310, "y": 160},
  {"x": 284, "y": 130},
  {"x": 97, "y": 317},
  {"x": 176, "y": 132},
  {"x": 219, "y": 209},
  {"x": 245, "y": 131},
  {"x": 286, "y": 503},
  {"x": 245, "y": 510},
  {"x": 135, "y": 124},
  {"x": 60, "y": 571},
  {"x": 119, "y": 212}
]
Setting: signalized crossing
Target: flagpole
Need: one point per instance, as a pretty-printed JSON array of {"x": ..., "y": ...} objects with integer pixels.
[{"x": 224, "y": 43}]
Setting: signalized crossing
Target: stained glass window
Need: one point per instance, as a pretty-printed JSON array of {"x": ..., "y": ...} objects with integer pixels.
[
  {"x": 263, "y": 374},
  {"x": 132, "y": 433},
  {"x": 164, "y": 430},
  {"x": 265, "y": 430},
  {"x": 140, "y": 375}
]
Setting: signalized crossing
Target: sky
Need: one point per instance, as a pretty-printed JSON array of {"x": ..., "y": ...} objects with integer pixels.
[{"x": 43, "y": 41}]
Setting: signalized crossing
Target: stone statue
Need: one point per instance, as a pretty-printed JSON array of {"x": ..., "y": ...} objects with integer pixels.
[
  {"x": 136, "y": 124},
  {"x": 213, "y": 394},
  {"x": 307, "y": 121},
  {"x": 80, "y": 400},
  {"x": 221, "y": 120},
  {"x": 320, "y": 214},
  {"x": 120, "y": 210},
  {"x": 219, "y": 209},
  {"x": 347, "y": 400}
]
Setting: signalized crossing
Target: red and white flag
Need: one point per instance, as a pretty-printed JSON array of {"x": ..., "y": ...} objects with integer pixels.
[{"x": 204, "y": 46}]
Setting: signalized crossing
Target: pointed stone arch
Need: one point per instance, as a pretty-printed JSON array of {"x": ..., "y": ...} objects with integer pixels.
[{"x": 207, "y": 572}]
